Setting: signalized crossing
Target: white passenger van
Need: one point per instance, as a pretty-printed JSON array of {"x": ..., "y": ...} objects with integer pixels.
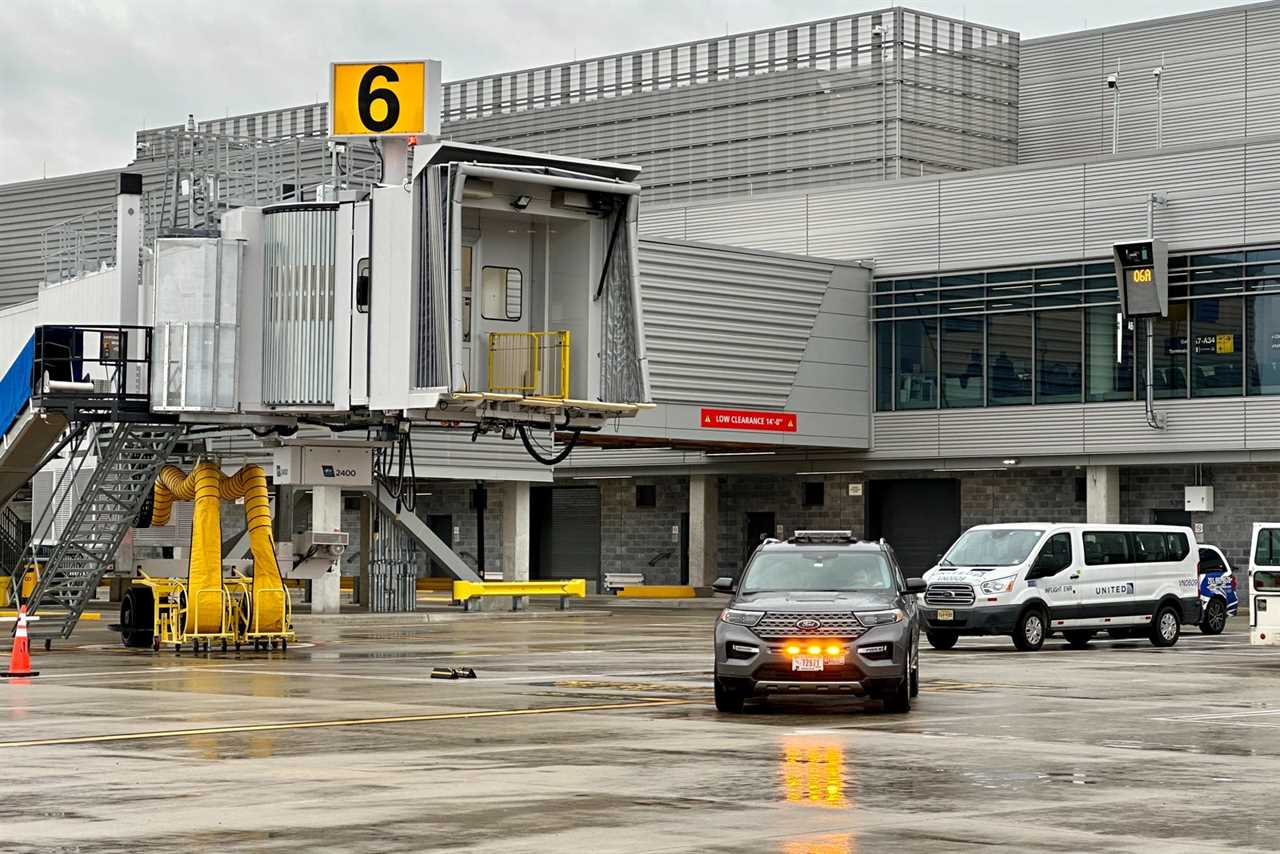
[
  {"x": 1029, "y": 580},
  {"x": 1264, "y": 584}
]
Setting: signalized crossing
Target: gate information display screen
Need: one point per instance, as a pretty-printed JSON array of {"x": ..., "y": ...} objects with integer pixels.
[{"x": 1142, "y": 275}]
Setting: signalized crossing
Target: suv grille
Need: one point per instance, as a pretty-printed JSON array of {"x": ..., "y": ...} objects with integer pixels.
[
  {"x": 831, "y": 624},
  {"x": 949, "y": 594}
]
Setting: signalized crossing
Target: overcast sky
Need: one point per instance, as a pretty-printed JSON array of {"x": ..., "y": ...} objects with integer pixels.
[{"x": 78, "y": 77}]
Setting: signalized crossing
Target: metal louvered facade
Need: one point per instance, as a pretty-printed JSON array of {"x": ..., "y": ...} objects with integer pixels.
[
  {"x": 1220, "y": 80},
  {"x": 755, "y": 330}
]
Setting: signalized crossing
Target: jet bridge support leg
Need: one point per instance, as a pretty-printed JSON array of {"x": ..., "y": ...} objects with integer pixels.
[
  {"x": 326, "y": 515},
  {"x": 704, "y": 526},
  {"x": 418, "y": 529},
  {"x": 515, "y": 533}
]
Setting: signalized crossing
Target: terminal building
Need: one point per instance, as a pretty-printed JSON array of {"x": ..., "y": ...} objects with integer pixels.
[{"x": 918, "y": 326}]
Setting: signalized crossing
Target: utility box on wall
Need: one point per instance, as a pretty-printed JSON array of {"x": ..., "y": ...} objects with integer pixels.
[
  {"x": 322, "y": 465},
  {"x": 1198, "y": 499}
]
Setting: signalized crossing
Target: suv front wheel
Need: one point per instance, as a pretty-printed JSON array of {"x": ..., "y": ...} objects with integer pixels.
[
  {"x": 898, "y": 699},
  {"x": 728, "y": 698}
]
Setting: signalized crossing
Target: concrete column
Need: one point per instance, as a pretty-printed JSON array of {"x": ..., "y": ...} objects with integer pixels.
[
  {"x": 1102, "y": 494},
  {"x": 515, "y": 530},
  {"x": 704, "y": 529},
  {"x": 326, "y": 516}
]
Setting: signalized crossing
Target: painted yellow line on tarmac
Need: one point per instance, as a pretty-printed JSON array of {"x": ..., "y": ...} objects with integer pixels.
[{"x": 397, "y": 719}]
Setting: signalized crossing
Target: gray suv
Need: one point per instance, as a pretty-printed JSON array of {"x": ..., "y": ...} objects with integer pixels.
[{"x": 821, "y": 613}]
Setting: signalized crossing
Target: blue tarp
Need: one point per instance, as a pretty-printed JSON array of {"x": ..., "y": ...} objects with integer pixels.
[{"x": 15, "y": 387}]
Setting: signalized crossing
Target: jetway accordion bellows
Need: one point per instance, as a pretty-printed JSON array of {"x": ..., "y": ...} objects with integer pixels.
[{"x": 298, "y": 342}]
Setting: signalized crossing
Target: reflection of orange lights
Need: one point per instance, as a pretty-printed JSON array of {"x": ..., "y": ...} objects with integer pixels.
[
  {"x": 838, "y": 843},
  {"x": 813, "y": 773}
]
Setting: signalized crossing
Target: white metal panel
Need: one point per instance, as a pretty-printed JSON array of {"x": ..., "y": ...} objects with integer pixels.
[
  {"x": 906, "y": 434},
  {"x": 1201, "y": 424},
  {"x": 1012, "y": 431}
]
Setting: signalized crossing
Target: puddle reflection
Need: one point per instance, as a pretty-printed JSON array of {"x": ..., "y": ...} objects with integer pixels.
[
  {"x": 838, "y": 843},
  {"x": 813, "y": 773}
]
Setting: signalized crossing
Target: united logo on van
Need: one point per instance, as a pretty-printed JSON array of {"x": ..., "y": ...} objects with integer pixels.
[
  {"x": 808, "y": 623},
  {"x": 1114, "y": 589}
]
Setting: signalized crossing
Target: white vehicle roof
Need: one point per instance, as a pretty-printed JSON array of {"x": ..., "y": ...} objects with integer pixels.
[{"x": 1083, "y": 526}]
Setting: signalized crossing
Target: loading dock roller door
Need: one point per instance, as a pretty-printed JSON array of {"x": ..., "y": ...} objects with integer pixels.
[{"x": 919, "y": 518}]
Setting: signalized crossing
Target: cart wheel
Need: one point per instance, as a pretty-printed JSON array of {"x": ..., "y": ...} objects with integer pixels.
[
  {"x": 48, "y": 644},
  {"x": 177, "y": 647},
  {"x": 155, "y": 645},
  {"x": 224, "y": 646},
  {"x": 284, "y": 645},
  {"x": 273, "y": 644},
  {"x": 237, "y": 646}
]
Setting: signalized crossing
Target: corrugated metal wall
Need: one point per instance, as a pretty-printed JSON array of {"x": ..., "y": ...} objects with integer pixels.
[
  {"x": 803, "y": 105},
  {"x": 1219, "y": 194},
  {"x": 1221, "y": 80}
]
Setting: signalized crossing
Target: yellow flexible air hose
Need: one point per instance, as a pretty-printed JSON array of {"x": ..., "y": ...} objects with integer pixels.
[{"x": 269, "y": 595}]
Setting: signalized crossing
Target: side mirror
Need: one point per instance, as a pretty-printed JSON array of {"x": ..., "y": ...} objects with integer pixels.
[
  {"x": 724, "y": 584},
  {"x": 917, "y": 585}
]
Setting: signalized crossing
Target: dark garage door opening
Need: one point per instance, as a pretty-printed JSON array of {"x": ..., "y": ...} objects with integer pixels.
[{"x": 918, "y": 518}]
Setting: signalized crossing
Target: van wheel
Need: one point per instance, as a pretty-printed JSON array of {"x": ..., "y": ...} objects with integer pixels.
[
  {"x": 1166, "y": 626},
  {"x": 1215, "y": 616},
  {"x": 1028, "y": 634},
  {"x": 1078, "y": 638},
  {"x": 728, "y": 700},
  {"x": 941, "y": 639}
]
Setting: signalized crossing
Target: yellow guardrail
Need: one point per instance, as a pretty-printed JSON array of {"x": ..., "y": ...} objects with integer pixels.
[
  {"x": 535, "y": 364},
  {"x": 657, "y": 591},
  {"x": 465, "y": 591}
]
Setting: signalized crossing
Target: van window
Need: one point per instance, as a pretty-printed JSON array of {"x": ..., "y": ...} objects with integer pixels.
[
  {"x": 1177, "y": 546},
  {"x": 1268, "y": 551},
  {"x": 1150, "y": 547},
  {"x": 1266, "y": 581},
  {"x": 1106, "y": 547},
  {"x": 1053, "y": 558},
  {"x": 1210, "y": 562}
]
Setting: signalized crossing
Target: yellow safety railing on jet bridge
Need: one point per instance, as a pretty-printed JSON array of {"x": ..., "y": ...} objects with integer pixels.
[
  {"x": 465, "y": 591},
  {"x": 535, "y": 364}
]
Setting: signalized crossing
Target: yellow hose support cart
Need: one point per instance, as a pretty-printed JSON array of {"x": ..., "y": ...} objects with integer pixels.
[{"x": 208, "y": 607}]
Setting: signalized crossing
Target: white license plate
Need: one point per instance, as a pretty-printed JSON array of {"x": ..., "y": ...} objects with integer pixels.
[
  {"x": 806, "y": 662},
  {"x": 946, "y": 614}
]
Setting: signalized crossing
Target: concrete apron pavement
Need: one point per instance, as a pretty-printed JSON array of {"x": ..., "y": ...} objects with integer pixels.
[{"x": 595, "y": 732}]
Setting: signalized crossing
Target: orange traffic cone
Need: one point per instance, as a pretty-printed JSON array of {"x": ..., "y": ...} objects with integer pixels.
[{"x": 20, "y": 658}]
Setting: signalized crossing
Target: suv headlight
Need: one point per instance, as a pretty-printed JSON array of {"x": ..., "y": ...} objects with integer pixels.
[
  {"x": 880, "y": 618},
  {"x": 998, "y": 585},
  {"x": 741, "y": 618}
]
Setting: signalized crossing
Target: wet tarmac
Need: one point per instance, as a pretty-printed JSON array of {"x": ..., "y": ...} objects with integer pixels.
[{"x": 594, "y": 732}]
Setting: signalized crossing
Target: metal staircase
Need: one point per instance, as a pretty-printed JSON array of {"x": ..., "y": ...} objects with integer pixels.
[{"x": 83, "y": 548}]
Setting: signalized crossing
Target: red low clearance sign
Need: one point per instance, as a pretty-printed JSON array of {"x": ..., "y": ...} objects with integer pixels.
[{"x": 739, "y": 419}]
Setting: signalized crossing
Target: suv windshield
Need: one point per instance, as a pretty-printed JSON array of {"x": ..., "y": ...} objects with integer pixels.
[
  {"x": 992, "y": 547},
  {"x": 814, "y": 570}
]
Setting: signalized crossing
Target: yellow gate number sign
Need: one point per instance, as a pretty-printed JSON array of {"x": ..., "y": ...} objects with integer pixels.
[{"x": 384, "y": 98}]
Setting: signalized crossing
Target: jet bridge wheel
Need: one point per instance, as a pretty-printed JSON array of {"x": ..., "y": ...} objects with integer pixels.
[{"x": 138, "y": 618}]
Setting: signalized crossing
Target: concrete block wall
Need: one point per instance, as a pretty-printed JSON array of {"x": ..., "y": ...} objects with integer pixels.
[
  {"x": 453, "y": 497},
  {"x": 1243, "y": 494},
  {"x": 639, "y": 539},
  {"x": 1020, "y": 495},
  {"x": 783, "y": 496}
]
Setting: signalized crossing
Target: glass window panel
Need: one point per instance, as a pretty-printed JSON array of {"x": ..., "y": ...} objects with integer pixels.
[
  {"x": 1050, "y": 273},
  {"x": 962, "y": 361},
  {"x": 915, "y": 284},
  {"x": 999, "y": 276},
  {"x": 1170, "y": 349},
  {"x": 1217, "y": 259},
  {"x": 1264, "y": 345},
  {"x": 1059, "y": 338},
  {"x": 1009, "y": 359},
  {"x": 970, "y": 279},
  {"x": 916, "y": 359},
  {"x": 1101, "y": 268},
  {"x": 1108, "y": 281},
  {"x": 1262, "y": 255},
  {"x": 882, "y": 285},
  {"x": 1216, "y": 336},
  {"x": 884, "y": 367},
  {"x": 1107, "y": 379}
]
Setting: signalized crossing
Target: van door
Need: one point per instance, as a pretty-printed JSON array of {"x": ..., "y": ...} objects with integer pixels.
[
  {"x": 1159, "y": 569},
  {"x": 1052, "y": 577},
  {"x": 1107, "y": 580},
  {"x": 1264, "y": 584}
]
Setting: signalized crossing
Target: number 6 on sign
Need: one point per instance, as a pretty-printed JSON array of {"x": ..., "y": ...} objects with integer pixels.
[{"x": 384, "y": 98}]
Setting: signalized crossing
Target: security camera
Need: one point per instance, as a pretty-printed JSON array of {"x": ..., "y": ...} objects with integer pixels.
[
  {"x": 1112, "y": 81},
  {"x": 1157, "y": 71}
]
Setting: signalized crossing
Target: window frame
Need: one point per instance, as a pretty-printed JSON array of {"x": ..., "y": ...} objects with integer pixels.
[{"x": 506, "y": 294}]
